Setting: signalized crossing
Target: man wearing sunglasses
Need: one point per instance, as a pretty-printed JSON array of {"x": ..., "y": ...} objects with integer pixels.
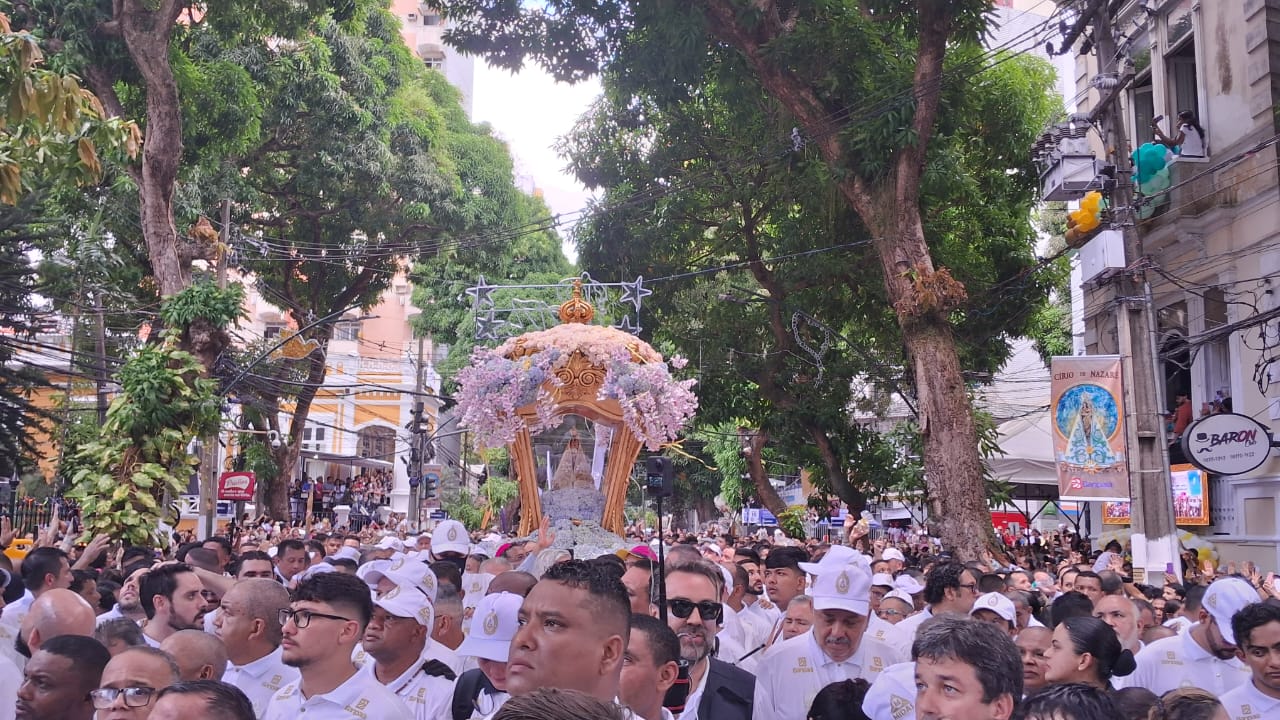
[
  {"x": 694, "y": 611},
  {"x": 327, "y": 617}
]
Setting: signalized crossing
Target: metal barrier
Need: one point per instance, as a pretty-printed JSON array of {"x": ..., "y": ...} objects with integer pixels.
[{"x": 29, "y": 514}]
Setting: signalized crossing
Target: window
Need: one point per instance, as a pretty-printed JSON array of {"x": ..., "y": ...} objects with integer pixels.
[
  {"x": 272, "y": 331},
  {"x": 349, "y": 330},
  {"x": 434, "y": 63},
  {"x": 378, "y": 443},
  {"x": 313, "y": 438},
  {"x": 431, "y": 19},
  {"x": 1142, "y": 95},
  {"x": 1180, "y": 68},
  {"x": 412, "y": 17},
  {"x": 1217, "y": 354}
]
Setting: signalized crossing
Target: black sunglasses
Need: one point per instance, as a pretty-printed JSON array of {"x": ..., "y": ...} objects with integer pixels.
[{"x": 707, "y": 609}]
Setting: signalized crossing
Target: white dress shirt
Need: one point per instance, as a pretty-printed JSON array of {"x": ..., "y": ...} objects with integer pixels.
[
  {"x": 361, "y": 697},
  {"x": 261, "y": 679},
  {"x": 1179, "y": 661}
]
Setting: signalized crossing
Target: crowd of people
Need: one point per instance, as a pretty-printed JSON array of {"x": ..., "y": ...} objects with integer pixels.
[{"x": 444, "y": 625}]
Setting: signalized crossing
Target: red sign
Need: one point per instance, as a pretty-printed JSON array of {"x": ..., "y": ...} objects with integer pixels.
[{"x": 237, "y": 486}]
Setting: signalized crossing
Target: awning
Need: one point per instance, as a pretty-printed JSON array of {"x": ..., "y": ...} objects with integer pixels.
[
  {"x": 1027, "y": 443},
  {"x": 352, "y": 460}
]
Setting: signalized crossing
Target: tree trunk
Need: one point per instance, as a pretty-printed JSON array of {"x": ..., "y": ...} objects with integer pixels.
[
  {"x": 146, "y": 27},
  {"x": 765, "y": 492},
  {"x": 837, "y": 476},
  {"x": 921, "y": 296},
  {"x": 291, "y": 448}
]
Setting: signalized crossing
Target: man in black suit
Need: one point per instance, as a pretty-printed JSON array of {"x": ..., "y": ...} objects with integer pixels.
[{"x": 716, "y": 689}]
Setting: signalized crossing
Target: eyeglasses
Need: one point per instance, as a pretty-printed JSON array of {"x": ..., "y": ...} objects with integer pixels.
[
  {"x": 971, "y": 587},
  {"x": 104, "y": 698},
  {"x": 707, "y": 610},
  {"x": 302, "y": 618},
  {"x": 883, "y": 614}
]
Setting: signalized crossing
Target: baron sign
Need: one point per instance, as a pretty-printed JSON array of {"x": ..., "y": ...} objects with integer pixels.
[
  {"x": 237, "y": 486},
  {"x": 1226, "y": 443}
]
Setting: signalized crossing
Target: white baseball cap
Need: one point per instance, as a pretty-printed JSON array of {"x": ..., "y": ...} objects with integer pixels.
[
  {"x": 837, "y": 556},
  {"x": 882, "y": 580},
  {"x": 391, "y": 542},
  {"x": 450, "y": 536},
  {"x": 847, "y": 587},
  {"x": 406, "y": 572},
  {"x": 346, "y": 553},
  {"x": 372, "y": 571},
  {"x": 900, "y": 595},
  {"x": 407, "y": 602},
  {"x": 893, "y": 554},
  {"x": 493, "y": 625},
  {"x": 893, "y": 694},
  {"x": 908, "y": 584},
  {"x": 318, "y": 568},
  {"x": 1225, "y": 598},
  {"x": 996, "y": 603}
]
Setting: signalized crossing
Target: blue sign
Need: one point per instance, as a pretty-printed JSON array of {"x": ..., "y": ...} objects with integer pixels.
[{"x": 439, "y": 515}]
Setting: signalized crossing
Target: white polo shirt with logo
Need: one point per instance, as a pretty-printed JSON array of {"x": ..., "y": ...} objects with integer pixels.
[
  {"x": 361, "y": 697},
  {"x": 1179, "y": 661},
  {"x": 261, "y": 679},
  {"x": 797, "y": 669},
  {"x": 1248, "y": 703},
  {"x": 428, "y": 697}
]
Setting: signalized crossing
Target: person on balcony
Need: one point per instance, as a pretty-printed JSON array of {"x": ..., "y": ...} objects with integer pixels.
[{"x": 1190, "y": 140}]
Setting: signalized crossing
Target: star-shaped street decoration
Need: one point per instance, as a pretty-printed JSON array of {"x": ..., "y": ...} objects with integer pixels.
[
  {"x": 481, "y": 294},
  {"x": 487, "y": 326},
  {"x": 626, "y": 325},
  {"x": 634, "y": 292}
]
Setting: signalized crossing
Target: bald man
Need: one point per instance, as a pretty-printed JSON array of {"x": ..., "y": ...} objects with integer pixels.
[
  {"x": 56, "y": 612},
  {"x": 200, "y": 656}
]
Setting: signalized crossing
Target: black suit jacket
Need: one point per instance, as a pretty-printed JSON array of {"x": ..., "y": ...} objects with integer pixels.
[{"x": 729, "y": 695}]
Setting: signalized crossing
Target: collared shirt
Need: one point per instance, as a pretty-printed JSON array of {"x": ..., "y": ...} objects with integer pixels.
[
  {"x": 433, "y": 651},
  {"x": 1179, "y": 661},
  {"x": 794, "y": 672},
  {"x": 261, "y": 679},
  {"x": 361, "y": 697},
  {"x": 691, "y": 703},
  {"x": 1247, "y": 702},
  {"x": 428, "y": 697},
  {"x": 110, "y": 615}
]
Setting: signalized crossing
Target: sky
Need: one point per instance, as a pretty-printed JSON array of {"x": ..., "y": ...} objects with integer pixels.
[{"x": 531, "y": 111}]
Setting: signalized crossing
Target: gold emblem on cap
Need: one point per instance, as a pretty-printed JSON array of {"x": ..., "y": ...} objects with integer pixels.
[
  {"x": 842, "y": 582},
  {"x": 993, "y": 601},
  {"x": 1213, "y": 601},
  {"x": 491, "y": 623},
  {"x": 429, "y": 583},
  {"x": 391, "y": 593},
  {"x": 397, "y": 564},
  {"x": 424, "y": 614},
  {"x": 453, "y": 534}
]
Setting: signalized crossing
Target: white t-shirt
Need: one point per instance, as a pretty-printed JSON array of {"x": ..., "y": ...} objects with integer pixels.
[
  {"x": 1192, "y": 142},
  {"x": 1248, "y": 703},
  {"x": 1179, "y": 661},
  {"x": 361, "y": 696},
  {"x": 261, "y": 679},
  {"x": 10, "y": 681}
]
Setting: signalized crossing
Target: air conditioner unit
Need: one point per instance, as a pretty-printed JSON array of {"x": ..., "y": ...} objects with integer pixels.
[
  {"x": 1068, "y": 177},
  {"x": 1102, "y": 256}
]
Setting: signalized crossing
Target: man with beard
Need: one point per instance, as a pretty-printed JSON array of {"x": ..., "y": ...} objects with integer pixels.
[
  {"x": 748, "y": 630},
  {"x": 327, "y": 617},
  {"x": 1205, "y": 655},
  {"x": 172, "y": 597},
  {"x": 249, "y": 626},
  {"x": 58, "y": 678},
  {"x": 128, "y": 602},
  {"x": 716, "y": 689},
  {"x": 396, "y": 640},
  {"x": 754, "y": 601},
  {"x": 834, "y": 651}
]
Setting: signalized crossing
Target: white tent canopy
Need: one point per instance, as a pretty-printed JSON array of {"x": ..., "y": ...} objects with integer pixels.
[{"x": 1028, "y": 446}]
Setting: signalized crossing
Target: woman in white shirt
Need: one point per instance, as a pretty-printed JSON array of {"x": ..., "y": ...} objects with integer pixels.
[{"x": 1190, "y": 140}]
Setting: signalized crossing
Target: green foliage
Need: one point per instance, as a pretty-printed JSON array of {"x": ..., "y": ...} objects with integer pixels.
[
  {"x": 498, "y": 492},
  {"x": 204, "y": 301},
  {"x": 463, "y": 508},
  {"x": 792, "y": 522},
  {"x": 140, "y": 458}
]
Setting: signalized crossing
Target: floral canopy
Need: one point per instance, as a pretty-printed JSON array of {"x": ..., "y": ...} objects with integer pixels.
[{"x": 601, "y": 379}]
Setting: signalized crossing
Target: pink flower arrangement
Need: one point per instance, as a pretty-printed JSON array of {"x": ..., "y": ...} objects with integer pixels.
[{"x": 493, "y": 388}]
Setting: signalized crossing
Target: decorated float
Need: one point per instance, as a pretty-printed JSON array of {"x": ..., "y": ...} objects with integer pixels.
[{"x": 574, "y": 404}]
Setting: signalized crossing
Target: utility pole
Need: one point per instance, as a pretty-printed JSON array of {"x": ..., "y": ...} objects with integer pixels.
[
  {"x": 419, "y": 437},
  {"x": 209, "y": 459},
  {"x": 1154, "y": 538},
  {"x": 100, "y": 350}
]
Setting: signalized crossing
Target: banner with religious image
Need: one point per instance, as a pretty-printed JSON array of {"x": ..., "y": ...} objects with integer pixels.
[{"x": 1087, "y": 409}]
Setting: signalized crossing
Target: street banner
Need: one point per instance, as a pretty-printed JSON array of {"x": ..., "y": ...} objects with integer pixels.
[
  {"x": 1089, "y": 445},
  {"x": 1190, "y": 499},
  {"x": 237, "y": 486}
]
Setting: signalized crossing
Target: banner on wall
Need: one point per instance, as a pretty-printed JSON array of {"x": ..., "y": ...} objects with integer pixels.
[
  {"x": 1087, "y": 410},
  {"x": 1190, "y": 499}
]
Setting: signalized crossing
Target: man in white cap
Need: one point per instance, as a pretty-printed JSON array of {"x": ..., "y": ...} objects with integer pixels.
[
  {"x": 877, "y": 627},
  {"x": 396, "y": 640},
  {"x": 387, "y": 547},
  {"x": 484, "y": 689},
  {"x": 895, "y": 558},
  {"x": 995, "y": 609},
  {"x": 1205, "y": 655},
  {"x": 405, "y": 573},
  {"x": 450, "y": 542},
  {"x": 835, "y": 650},
  {"x": 895, "y": 607}
]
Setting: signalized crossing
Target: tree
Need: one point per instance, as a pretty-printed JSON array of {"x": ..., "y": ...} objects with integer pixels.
[{"x": 880, "y": 160}]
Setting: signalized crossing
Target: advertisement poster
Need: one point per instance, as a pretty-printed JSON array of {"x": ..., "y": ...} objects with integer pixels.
[
  {"x": 1190, "y": 499},
  {"x": 1087, "y": 409}
]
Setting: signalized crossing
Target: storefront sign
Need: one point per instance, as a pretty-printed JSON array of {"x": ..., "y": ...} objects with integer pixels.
[
  {"x": 1226, "y": 443},
  {"x": 236, "y": 486},
  {"x": 1190, "y": 499},
  {"x": 1087, "y": 411}
]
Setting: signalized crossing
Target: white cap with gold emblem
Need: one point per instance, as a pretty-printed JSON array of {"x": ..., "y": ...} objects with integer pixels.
[
  {"x": 493, "y": 625},
  {"x": 844, "y": 587},
  {"x": 450, "y": 536},
  {"x": 997, "y": 603},
  {"x": 407, "y": 602}
]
